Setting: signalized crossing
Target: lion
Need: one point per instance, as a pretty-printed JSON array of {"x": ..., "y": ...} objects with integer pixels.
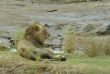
[{"x": 32, "y": 43}]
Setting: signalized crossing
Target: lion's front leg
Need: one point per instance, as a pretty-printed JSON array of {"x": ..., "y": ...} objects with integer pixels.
[
  {"x": 49, "y": 50},
  {"x": 47, "y": 53},
  {"x": 43, "y": 53}
]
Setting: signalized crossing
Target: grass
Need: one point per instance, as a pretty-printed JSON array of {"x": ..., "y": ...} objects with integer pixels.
[
  {"x": 69, "y": 40},
  {"x": 101, "y": 61},
  {"x": 17, "y": 36},
  {"x": 75, "y": 64},
  {"x": 3, "y": 48},
  {"x": 94, "y": 46},
  {"x": 91, "y": 46},
  {"x": 92, "y": 65}
]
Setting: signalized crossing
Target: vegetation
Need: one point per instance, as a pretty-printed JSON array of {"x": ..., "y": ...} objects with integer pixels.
[
  {"x": 17, "y": 36},
  {"x": 3, "y": 48},
  {"x": 91, "y": 46},
  {"x": 96, "y": 47},
  {"x": 69, "y": 40},
  {"x": 76, "y": 64}
]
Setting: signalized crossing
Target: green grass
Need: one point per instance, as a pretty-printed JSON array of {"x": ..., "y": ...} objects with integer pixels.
[
  {"x": 17, "y": 36},
  {"x": 101, "y": 61},
  {"x": 91, "y": 65}
]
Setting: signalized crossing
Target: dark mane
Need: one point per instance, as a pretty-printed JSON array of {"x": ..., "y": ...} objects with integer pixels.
[{"x": 30, "y": 36}]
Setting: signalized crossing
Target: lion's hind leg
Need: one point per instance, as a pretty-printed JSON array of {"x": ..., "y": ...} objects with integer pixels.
[{"x": 29, "y": 54}]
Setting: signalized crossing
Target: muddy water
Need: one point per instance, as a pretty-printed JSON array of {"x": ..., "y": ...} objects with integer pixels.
[
  {"x": 83, "y": 12},
  {"x": 13, "y": 16},
  {"x": 69, "y": 17}
]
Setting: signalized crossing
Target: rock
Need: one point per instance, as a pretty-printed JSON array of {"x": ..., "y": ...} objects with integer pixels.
[
  {"x": 53, "y": 10},
  {"x": 4, "y": 44},
  {"x": 95, "y": 28},
  {"x": 103, "y": 30},
  {"x": 89, "y": 27},
  {"x": 54, "y": 43}
]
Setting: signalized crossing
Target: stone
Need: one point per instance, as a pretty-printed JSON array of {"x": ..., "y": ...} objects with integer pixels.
[
  {"x": 103, "y": 30},
  {"x": 4, "y": 44}
]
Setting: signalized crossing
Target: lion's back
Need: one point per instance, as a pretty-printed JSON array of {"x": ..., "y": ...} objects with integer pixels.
[{"x": 25, "y": 48}]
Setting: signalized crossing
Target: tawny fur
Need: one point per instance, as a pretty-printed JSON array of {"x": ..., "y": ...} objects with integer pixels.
[{"x": 32, "y": 43}]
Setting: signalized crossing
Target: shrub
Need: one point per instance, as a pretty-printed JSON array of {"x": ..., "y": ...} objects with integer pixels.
[
  {"x": 69, "y": 40},
  {"x": 92, "y": 47},
  {"x": 106, "y": 45},
  {"x": 72, "y": 43},
  {"x": 17, "y": 36}
]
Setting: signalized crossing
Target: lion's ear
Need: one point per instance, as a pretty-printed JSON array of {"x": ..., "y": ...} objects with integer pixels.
[{"x": 38, "y": 27}]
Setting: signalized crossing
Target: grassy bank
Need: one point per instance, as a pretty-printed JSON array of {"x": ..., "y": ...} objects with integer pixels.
[{"x": 11, "y": 63}]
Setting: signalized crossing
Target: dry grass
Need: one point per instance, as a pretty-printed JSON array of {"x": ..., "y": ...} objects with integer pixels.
[
  {"x": 89, "y": 45},
  {"x": 3, "y": 48},
  {"x": 11, "y": 63},
  {"x": 93, "y": 46},
  {"x": 69, "y": 40},
  {"x": 104, "y": 44}
]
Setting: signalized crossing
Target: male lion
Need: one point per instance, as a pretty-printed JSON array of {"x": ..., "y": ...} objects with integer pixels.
[{"x": 32, "y": 43}]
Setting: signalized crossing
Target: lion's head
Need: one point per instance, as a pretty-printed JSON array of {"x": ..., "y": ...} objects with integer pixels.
[{"x": 38, "y": 32}]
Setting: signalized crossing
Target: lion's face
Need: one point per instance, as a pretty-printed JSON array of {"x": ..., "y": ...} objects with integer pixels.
[
  {"x": 38, "y": 32},
  {"x": 42, "y": 34}
]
